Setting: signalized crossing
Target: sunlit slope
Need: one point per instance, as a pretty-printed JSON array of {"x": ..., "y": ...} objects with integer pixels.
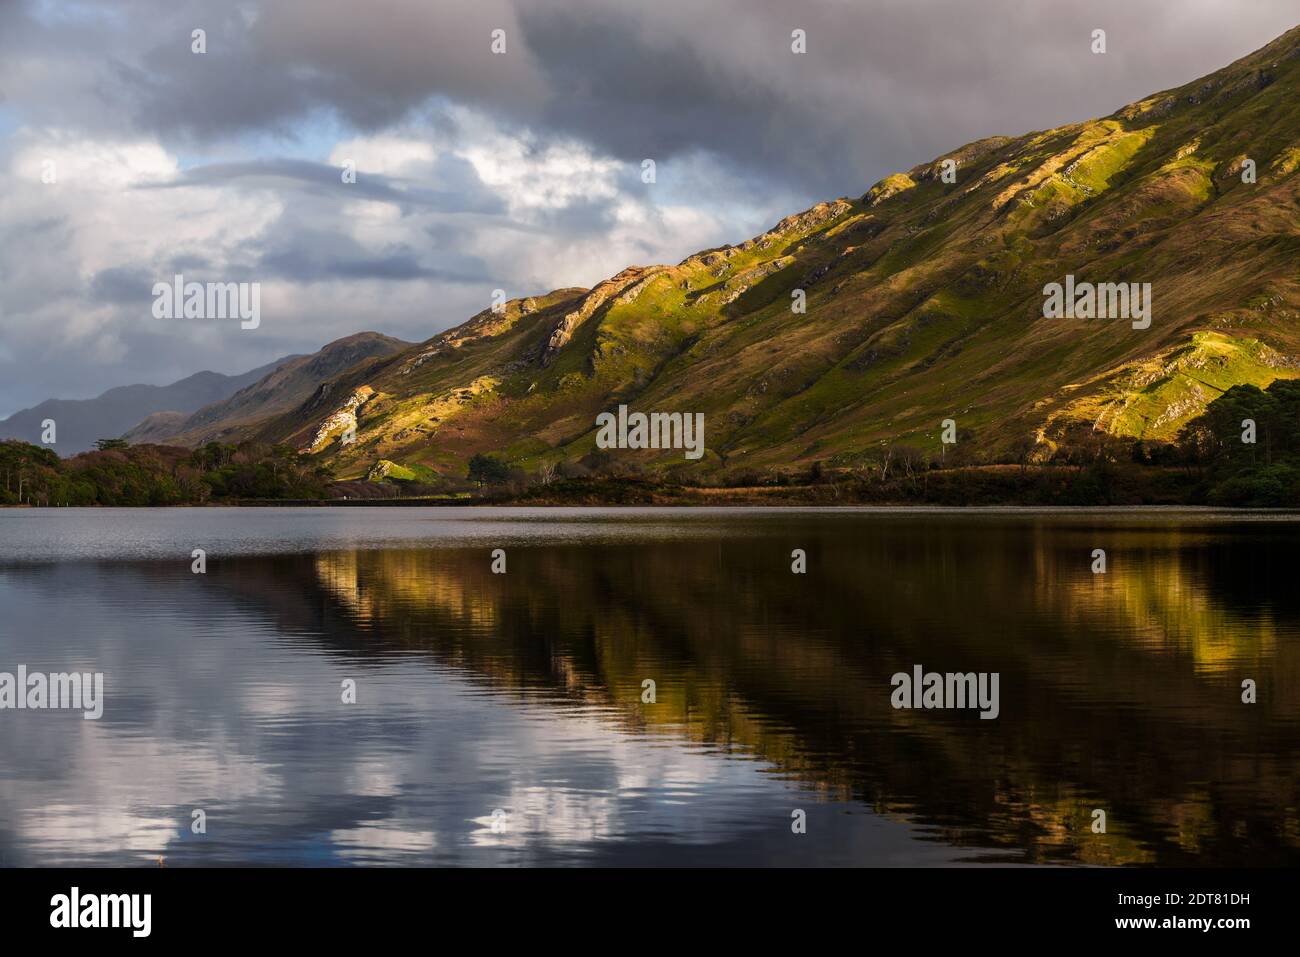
[
  {"x": 1152, "y": 635},
  {"x": 924, "y": 302}
]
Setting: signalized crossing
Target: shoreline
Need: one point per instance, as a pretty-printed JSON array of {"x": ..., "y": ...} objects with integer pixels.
[{"x": 694, "y": 505}]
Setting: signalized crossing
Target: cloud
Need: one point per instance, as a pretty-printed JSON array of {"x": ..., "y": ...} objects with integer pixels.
[
  {"x": 478, "y": 171},
  {"x": 441, "y": 214},
  {"x": 882, "y": 86},
  {"x": 461, "y": 191}
]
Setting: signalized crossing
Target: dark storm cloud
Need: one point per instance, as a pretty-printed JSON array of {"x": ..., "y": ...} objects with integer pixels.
[
  {"x": 884, "y": 85},
  {"x": 123, "y": 286},
  {"x": 188, "y": 263},
  {"x": 478, "y": 171},
  {"x": 303, "y": 266},
  {"x": 465, "y": 192},
  {"x": 583, "y": 217}
]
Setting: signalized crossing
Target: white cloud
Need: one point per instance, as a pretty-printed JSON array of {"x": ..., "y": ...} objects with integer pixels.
[
  {"x": 82, "y": 254},
  {"x": 388, "y": 154}
]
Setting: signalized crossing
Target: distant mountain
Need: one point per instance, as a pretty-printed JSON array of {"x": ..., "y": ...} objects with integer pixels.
[
  {"x": 925, "y": 301},
  {"x": 239, "y": 414},
  {"x": 80, "y": 422}
]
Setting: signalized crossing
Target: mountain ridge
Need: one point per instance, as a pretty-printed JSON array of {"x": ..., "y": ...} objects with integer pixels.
[
  {"x": 924, "y": 303},
  {"x": 237, "y": 416},
  {"x": 81, "y": 422}
]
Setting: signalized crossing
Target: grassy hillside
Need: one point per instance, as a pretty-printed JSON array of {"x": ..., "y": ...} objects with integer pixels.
[
  {"x": 924, "y": 303},
  {"x": 240, "y": 414}
]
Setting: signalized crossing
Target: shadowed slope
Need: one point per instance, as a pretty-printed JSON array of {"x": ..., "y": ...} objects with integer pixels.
[{"x": 924, "y": 302}]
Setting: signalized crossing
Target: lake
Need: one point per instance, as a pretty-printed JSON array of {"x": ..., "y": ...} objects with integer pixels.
[{"x": 505, "y": 718}]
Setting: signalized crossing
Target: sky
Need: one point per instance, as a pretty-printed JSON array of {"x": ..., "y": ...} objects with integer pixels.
[{"x": 128, "y": 157}]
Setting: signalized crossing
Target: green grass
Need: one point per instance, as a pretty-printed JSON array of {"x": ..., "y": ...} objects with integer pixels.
[{"x": 944, "y": 287}]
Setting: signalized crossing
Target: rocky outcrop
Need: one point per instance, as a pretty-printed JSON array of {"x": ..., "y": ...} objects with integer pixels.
[
  {"x": 616, "y": 286},
  {"x": 340, "y": 422},
  {"x": 888, "y": 188},
  {"x": 385, "y": 468}
]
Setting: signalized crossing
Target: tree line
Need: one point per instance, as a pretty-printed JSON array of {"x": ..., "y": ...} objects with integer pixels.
[{"x": 119, "y": 474}]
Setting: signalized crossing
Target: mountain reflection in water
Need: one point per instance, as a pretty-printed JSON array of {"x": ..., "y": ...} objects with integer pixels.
[{"x": 523, "y": 692}]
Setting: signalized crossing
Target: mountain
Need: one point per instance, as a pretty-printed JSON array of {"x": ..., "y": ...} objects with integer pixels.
[
  {"x": 238, "y": 414},
  {"x": 80, "y": 422},
  {"x": 925, "y": 301}
]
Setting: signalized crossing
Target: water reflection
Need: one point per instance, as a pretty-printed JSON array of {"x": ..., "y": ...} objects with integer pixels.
[{"x": 523, "y": 692}]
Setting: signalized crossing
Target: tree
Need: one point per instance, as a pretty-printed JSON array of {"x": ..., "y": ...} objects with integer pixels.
[
  {"x": 1248, "y": 441},
  {"x": 1022, "y": 451},
  {"x": 486, "y": 470},
  {"x": 105, "y": 445},
  {"x": 912, "y": 461}
]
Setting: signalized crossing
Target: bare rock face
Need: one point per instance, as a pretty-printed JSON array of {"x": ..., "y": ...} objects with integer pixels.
[
  {"x": 924, "y": 299},
  {"x": 888, "y": 188},
  {"x": 807, "y": 220},
  {"x": 630, "y": 282},
  {"x": 384, "y": 468},
  {"x": 340, "y": 421}
]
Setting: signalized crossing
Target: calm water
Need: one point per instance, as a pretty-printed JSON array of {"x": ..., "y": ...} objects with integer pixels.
[{"x": 499, "y": 718}]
